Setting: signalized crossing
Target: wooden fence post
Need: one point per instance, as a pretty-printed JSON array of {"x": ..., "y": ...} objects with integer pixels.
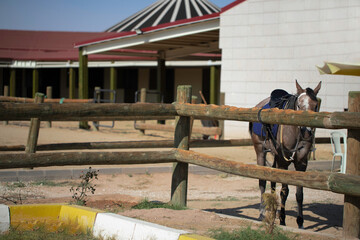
[
  {"x": 98, "y": 100},
  {"x": 6, "y": 94},
  {"x": 48, "y": 96},
  {"x": 351, "y": 220},
  {"x": 182, "y": 133},
  {"x": 34, "y": 128},
  {"x": 193, "y": 101},
  {"x": 143, "y": 100}
]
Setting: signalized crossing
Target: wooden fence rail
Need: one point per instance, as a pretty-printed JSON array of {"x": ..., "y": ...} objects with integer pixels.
[
  {"x": 87, "y": 111},
  {"x": 335, "y": 182},
  {"x": 154, "y": 111},
  {"x": 46, "y": 100},
  {"x": 26, "y": 160},
  {"x": 171, "y": 128},
  {"x": 139, "y": 144},
  {"x": 132, "y": 144}
]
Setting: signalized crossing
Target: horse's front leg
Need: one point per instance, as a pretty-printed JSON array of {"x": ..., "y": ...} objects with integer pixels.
[
  {"x": 299, "y": 200},
  {"x": 284, "y": 193},
  {"x": 300, "y": 196},
  {"x": 283, "y": 196}
]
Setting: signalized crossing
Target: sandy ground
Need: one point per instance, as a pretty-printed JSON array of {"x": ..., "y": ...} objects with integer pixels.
[{"x": 214, "y": 201}]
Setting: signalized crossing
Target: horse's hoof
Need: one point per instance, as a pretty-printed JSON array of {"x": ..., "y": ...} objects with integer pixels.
[{"x": 300, "y": 222}]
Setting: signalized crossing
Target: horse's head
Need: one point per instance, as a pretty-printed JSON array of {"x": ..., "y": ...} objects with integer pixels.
[{"x": 307, "y": 98}]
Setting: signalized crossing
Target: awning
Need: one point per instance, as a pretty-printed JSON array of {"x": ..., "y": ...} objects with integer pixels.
[
  {"x": 191, "y": 39},
  {"x": 340, "y": 68}
]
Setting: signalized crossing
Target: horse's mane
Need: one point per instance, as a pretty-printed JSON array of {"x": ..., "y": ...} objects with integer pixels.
[{"x": 311, "y": 94}]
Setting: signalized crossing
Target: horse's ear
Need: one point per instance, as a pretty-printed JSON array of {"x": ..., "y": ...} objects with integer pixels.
[
  {"x": 299, "y": 88},
  {"x": 317, "y": 89}
]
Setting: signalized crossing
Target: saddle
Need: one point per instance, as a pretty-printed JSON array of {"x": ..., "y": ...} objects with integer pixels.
[{"x": 281, "y": 99}]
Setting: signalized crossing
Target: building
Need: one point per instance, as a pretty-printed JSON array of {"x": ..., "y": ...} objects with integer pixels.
[
  {"x": 267, "y": 44},
  {"x": 32, "y": 60}
]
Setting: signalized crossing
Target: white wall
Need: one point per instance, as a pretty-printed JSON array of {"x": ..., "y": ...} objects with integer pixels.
[{"x": 267, "y": 44}]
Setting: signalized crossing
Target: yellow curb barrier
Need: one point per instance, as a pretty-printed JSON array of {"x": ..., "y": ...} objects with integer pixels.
[
  {"x": 27, "y": 216},
  {"x": 193, "y": 237},
  {"x": 76, "y": 219},
  {"x": 78, "y": 215}
]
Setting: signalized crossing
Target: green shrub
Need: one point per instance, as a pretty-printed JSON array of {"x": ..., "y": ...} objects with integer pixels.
[{"x": 146, "y": 204}]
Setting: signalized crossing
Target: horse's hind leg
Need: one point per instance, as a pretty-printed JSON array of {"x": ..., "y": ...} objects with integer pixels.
[
  {"x": 283, "y": 196},
  {"x": 260, "y": 158}
]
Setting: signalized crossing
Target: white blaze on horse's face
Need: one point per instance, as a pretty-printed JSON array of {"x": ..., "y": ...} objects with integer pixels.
[{"x": 305, "y": 103}]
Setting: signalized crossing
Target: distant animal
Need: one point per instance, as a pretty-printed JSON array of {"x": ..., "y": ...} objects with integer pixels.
[{"x": 288, "y": 144}]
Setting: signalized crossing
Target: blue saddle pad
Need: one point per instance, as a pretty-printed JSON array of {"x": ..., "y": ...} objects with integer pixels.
[{"x": 260, "y": 131}]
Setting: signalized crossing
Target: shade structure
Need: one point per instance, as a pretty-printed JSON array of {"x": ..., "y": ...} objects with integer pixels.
[
  {"x": 336, "y": 68},
  {"x": 165, "y": 11}
]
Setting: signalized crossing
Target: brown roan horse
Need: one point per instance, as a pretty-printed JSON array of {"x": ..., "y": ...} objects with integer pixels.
[{"x": 291, "y": 145}]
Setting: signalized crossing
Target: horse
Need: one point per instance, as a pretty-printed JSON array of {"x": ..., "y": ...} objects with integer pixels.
[{"x": 291, "y": 145}]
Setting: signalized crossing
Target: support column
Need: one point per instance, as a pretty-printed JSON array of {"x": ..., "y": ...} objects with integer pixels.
[
  {"x": 214, "y": 85},
  {"x": 351, "y": 219},
  {"x": 72, "y": 85},
  {"x": 182, "y": 137},
  {"x": 113, "y": 82},
  {"x": 35, "y": 85},
  {"x": 12, "y": 82},
  {"x": 1, "y": 80},
  {"x": 6, "y": 94},
  {"x": 83, "y": 82},
  {"x": 161, "y": 75}
]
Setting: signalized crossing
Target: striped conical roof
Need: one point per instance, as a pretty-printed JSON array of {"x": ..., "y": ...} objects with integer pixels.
[{"x": 165, "y": 11}]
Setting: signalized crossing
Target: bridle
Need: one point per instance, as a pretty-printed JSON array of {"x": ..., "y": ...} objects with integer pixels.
[{"x": 300, "y": 137}]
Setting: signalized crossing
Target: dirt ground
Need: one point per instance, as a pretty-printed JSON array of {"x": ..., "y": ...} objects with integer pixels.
[{"x": 214, "y": 200}]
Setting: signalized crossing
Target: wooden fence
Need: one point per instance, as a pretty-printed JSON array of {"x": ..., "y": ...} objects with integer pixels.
[{"x": 347, "y": 184}]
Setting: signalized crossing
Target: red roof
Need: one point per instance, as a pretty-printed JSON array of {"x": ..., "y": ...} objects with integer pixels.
[
  {"x": 49, "y": 46},
  {"x": 160, "y": 26},
  {"x": 231, "y": 5}
]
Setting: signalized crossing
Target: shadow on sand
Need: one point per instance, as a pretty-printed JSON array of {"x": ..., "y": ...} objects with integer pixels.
[{"x": 322, "y": 215}]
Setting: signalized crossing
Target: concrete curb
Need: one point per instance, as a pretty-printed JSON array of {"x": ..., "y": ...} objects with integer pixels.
[{"x": 107, "y": 225}]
